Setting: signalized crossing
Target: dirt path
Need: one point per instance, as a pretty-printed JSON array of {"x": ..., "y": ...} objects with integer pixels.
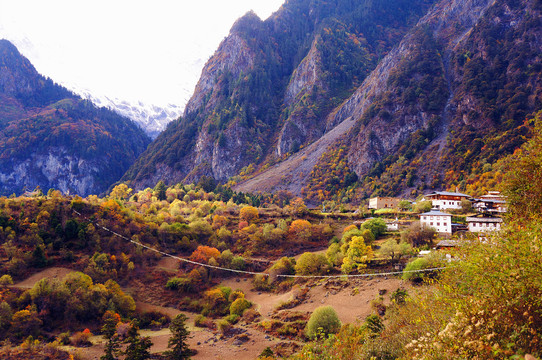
[
  {"x": 351, "y": 300},
  {"x": 51, "y": 273}
]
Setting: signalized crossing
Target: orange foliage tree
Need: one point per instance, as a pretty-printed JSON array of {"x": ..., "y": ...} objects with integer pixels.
[
  {"x": 203, "y": 254},
  {"x": 300, "y": 230}
]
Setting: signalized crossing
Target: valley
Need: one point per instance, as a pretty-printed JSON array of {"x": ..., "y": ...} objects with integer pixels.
[{"x": 349, "y": 180}]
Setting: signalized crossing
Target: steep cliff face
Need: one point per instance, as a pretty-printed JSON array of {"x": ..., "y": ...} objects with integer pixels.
[
  {"x": 452, "y": 85},
  {"x": 52, "y": 138},
  {"x": 448, "y": 101},
  {"x": 271, "y": 84},
  {"x": 416, "y": 95}
]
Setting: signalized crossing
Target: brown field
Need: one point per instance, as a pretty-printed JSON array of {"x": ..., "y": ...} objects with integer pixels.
[{"x": 351, "y": 299}]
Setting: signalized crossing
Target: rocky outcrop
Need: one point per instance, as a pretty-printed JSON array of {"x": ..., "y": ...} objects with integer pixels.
[
  {"x": 302, "y": 125},
  {"x": 233, "y": 56},
  {"x": 380, "y": 134},
  {"x": 57, "y": 168}
]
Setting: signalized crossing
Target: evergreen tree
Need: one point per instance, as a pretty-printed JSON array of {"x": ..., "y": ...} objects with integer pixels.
[
  {"x": 160, "y": 190},
  {"x": 38, "y": 257},
  {"x": 177, "y": 341},
  {"x": 138, "y": 347},
  {"x": 109, "y": 330}
]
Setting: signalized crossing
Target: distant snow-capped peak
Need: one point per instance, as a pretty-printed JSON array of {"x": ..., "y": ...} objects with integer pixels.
[{"x": 152, "y": 119}]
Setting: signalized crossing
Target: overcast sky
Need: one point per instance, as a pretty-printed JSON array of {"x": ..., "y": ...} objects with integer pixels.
[{"x": 149, "y": 51}]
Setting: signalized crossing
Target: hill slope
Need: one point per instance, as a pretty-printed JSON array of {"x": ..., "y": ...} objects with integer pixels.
[
  {"x": 430, "y": 102},
  {"x": 270, "y": 85},
  {"x": 51, "y": 138}
]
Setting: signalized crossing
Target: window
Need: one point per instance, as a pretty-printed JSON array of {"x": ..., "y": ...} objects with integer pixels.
[
  {"x": 431, "y": 223},
  {"x": 438, "y": 224}
]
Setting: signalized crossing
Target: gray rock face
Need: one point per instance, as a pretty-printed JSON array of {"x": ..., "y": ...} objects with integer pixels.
[
  {"x": 298, "y": 128},
  {"x": 233, "y": 55},
  {"x": 56, "y": 168},
  {"x": 449, "y": 22},
  {"x": 52, "y": 138}
]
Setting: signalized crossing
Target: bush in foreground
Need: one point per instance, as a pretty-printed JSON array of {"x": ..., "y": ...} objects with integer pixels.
[{"x": 323, "y": 319}]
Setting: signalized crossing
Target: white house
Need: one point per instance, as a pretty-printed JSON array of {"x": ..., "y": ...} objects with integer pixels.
[
  {"x": 484, "y": 224},
  {"x": 393, "y": 225},
  {"x": 446, "y": 200},
  {"x": 440, "y": 221}
]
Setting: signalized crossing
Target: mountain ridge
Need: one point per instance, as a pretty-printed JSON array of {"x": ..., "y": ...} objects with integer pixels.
[
  {"x": 425, "y": 98},
  {"x": 235, "y": 115},
  {"x": 52, "y": 138}
]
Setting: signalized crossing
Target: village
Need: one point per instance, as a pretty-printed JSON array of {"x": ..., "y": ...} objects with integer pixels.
[{"x": 484, "y": 214}]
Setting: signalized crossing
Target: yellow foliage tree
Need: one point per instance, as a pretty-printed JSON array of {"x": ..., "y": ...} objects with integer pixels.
[
  {"x": 249, "y": 214},
  {"x": 357, "y": 255}
]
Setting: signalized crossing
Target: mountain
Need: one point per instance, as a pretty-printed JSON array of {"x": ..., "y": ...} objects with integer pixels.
[
  {"x": 371, "y": 97},
  {"x": 151, "y": 118},
  {"x": 270, "y": 85},
  {"x": 54, "y": 139}
]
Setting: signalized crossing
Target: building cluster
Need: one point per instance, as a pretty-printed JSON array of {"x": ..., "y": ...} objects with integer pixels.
[{"x": 488, "y": 207}]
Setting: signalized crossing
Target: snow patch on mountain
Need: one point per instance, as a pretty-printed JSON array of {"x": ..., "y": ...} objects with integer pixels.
[{"x": 153, "y": 119}]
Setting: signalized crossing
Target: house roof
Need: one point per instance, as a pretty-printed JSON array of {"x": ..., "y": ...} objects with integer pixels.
[
  {"x": 435, "y": 212},
  {"x": 490, "y": 201},
  {"x": 484, "y": 219},
  {"x": 447, "y": 193}
]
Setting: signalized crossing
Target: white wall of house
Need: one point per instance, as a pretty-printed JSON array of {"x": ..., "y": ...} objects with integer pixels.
[
  {"x": 446, "y": 204},
  {"x": 479, "y": 225},
  {"x": 442, "y": 223}
]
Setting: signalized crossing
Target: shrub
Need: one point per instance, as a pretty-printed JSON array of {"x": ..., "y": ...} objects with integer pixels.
[
  {"x": 248, "y": 214},
  {"x": 223, "y": 326},
  {"x": 181, "y": 284},
  {"x": 311, "y": 264},
  {"x": 418, "y": 235},
  {"x": 202, "y": 321},
  {"x": 377, "y": 226},
  {"x": 6, "y": 280},
  {"x": 232, "y": 318},
  {"x": 374, "y": 323},
  {"x": 239, "y": 306},
  {"x": 284, "y": 266},
  {"x": 81, "y": 338},
  {"x": 434, "y": 260},
  {"x": 153, "y": 320},
  {"x": 301, "y": 230},
  {"x": 250, "y": 315},
  {"x": 237, "y": 294},
  {"x": 422, "y": 206},
  {"x": 399, "y": 296},
  {"x": 324, "y": 318},
  {"x": 261, "y": 283},
  {"x": 204, "y": 253},
  {"x": 63, "y": 338}
]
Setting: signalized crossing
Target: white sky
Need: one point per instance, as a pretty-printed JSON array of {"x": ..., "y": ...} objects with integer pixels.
[{"x": 134, "y": 50}]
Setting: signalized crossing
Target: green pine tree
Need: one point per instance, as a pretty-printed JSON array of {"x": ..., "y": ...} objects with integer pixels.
[
  {"x": 138, "y": 347},
  {"x": 177, "y": 342},
  {"x": 160, "y": 190},
  {"x": 109, "y": 330}
]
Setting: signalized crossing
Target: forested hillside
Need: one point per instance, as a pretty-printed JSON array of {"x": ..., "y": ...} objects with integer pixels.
[
  {"x": 51, "y": 138},
  {"x": 436, "y": 94},
  {"x": 270, "y": 85}
]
